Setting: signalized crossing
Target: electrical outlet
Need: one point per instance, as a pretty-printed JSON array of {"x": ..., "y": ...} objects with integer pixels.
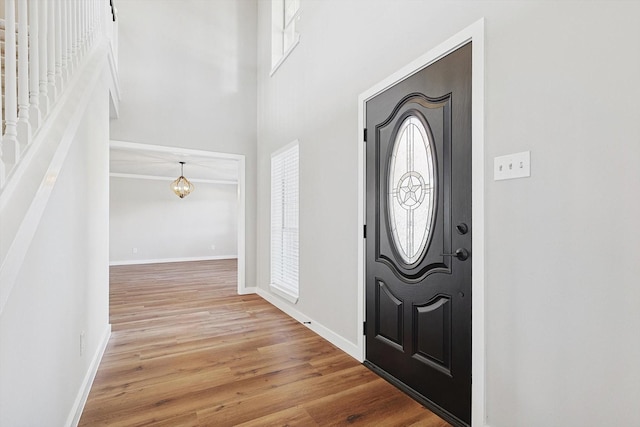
[
  {"x": 82, "y": 343},
  {"x": 511, "y": 166},
  {"x": 134, "y": 250},
  {"x": 213, "y": 247}
]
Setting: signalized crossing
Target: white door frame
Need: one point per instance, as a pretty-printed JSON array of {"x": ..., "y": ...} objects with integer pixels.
[
  {"x": 240, "y": 158},
  {"x": 474, "y": 33}
]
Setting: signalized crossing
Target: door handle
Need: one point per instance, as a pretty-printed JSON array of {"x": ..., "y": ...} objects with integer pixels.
[
  {"x": 462, "y": 228},
  {"x": 460, "y": 253}
]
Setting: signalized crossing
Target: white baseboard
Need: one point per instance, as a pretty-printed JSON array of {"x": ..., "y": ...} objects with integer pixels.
[
  {"x": 163, "y": 260},
  {"x": 343, "y": 344},
  {"x": 78, "y": 406},
  {"x": 250, "y": 290}
]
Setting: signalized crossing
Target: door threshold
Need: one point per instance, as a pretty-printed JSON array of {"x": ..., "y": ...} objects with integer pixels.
[{"x": 436, "y": 409}]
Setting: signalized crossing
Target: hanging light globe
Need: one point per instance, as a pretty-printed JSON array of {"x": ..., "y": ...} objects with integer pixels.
[{"x": 181, "y": 186}]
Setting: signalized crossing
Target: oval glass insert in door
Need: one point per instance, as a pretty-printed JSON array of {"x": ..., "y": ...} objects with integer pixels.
[{"x": 411, "y": 189}]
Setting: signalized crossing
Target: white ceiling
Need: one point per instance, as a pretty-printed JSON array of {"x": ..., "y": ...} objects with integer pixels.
[{"x": 137, "y": 161}]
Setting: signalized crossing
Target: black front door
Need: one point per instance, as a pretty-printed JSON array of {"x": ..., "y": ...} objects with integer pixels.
[{"x": 418, "y": 247}]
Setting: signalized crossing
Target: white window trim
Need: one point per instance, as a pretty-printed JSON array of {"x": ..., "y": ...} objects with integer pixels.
[
  {"x": 277, "y": 289},
  {"x": 284, "y": 56},
  {"x": 278, "y": 30}
]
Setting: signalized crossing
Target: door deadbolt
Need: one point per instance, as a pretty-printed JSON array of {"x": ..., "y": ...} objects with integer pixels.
[{"x": 462, "y": 228}]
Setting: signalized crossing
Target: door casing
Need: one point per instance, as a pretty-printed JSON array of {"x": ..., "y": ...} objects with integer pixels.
[{"x": 474, "y": 33}]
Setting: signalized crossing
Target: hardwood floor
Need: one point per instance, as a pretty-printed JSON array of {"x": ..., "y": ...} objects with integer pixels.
[{"x": 187, "y": 351}]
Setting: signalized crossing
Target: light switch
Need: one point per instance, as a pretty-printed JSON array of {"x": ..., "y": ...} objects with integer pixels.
[{"x": 511, "y": 166}]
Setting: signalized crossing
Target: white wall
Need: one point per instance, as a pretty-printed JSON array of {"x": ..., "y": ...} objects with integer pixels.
[
  {"x": 562, "y": 262},
  {"x": 62, "y": 288},
  {"x": 187, "y": 78},
  {"x": 146, "y": 215}
]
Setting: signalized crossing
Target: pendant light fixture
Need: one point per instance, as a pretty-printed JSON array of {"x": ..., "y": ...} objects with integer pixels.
[{"x": 181, "y": 186}]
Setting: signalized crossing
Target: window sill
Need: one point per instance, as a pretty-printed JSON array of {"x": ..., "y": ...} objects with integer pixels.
[{"x": 282, "y": 293}]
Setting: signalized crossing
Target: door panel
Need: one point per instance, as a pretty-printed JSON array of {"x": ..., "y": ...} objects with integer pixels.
[
  {"x": 389, "y": 315},
  {"x": 418, "y": 294},
  {"x": 433, "y": 333}
]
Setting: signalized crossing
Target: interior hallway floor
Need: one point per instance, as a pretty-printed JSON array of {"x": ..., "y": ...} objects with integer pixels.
[{"x": 186, "y": 350}]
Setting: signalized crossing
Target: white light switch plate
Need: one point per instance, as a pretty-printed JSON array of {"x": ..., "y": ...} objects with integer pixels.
[{"x": 511, "y": 166}]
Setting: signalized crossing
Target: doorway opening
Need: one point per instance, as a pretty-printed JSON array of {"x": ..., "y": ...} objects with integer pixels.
[{"x": 218, "y": 175}]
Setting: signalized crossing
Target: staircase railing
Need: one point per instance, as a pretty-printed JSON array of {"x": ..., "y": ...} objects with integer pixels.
[{"x": 43, "y": 42}]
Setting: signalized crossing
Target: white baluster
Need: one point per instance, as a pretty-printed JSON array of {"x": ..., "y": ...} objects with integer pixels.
[
  {"x": 11, "y": 148},
  {"x": 78, "y": 30},
  {"x": 74, "y": 30},
  {"x": 100, "y": 15},
  {"x": 64, "y": 27},
  {"x": 105, "y": 15},
  {"x": 34, "y": 84},
  {"x": 92, "y": 27},
  {"x": 51, "y": 50},
  {"x": 70, "y": 30},
  {"x": 92, "y": 22},
  {"x": 83, "y": 25},
  {"x": 24, "y": 127},
  {"x": 58, "y": 28},
  {"x": 42, "y": 63},
  {"x": 3, "y": 169},
  {"x": 66, "y": 8},
  {"x": 100, "y": 8}
]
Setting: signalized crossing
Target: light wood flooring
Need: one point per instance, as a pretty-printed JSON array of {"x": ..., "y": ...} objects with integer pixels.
[{"x": 186, "y": 350}]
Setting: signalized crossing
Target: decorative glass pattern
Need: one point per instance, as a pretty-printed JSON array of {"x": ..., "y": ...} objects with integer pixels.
[{"x": 411, "y": 189}]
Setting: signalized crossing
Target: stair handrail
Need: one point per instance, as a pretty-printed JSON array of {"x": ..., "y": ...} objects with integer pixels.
[{"x": 113, "y": 10}]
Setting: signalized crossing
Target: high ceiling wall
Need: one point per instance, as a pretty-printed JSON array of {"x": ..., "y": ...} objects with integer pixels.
[
  {"x": 188, "y": 80},
  {"x": 561, "y": 271}
]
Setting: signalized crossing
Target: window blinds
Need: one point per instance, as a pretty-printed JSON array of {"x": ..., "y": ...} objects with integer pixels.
[{"x": 284, "y": 220}]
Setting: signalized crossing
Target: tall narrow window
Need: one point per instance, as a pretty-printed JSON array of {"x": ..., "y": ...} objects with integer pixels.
[
  {"x": 284, "y": 222},
  {"x": 284, "y": 37}
]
